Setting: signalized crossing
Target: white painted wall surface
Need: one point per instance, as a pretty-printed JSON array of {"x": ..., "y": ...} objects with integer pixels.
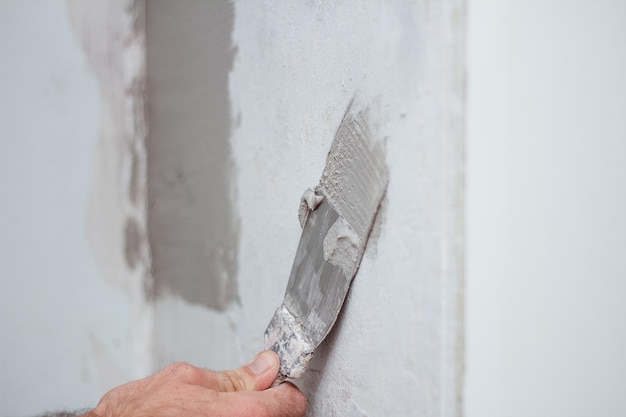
[
  {"x": 546, "y": 205},
  {"x": 64, "y": 332}
]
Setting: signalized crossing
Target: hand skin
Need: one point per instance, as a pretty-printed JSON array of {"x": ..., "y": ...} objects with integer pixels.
[{"x": 182, "y": 390}]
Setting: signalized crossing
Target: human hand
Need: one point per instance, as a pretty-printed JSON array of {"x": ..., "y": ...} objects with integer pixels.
[{"x": 182, "y": 390}]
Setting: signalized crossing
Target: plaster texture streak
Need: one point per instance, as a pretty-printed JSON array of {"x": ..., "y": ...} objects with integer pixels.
[
  {"x": 112, "y": 36},
  {"x": 395, "y": 349}
]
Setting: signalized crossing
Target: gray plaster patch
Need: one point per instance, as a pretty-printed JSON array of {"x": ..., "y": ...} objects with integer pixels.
[
  {"x": 192, "y": 224},
  {"x": 132, "y": 242}
]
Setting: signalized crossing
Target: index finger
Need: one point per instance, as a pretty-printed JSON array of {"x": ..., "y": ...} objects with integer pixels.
[{"x": 285, "y": 400}]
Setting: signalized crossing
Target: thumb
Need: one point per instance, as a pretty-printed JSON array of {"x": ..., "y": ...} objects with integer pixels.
[{"x": 256, "y": 375}]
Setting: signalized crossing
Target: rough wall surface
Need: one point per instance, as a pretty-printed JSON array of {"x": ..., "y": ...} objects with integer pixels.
[{"x": 395, "y": 349}]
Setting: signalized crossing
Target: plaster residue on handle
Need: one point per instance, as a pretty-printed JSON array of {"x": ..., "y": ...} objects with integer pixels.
[{"x": 285, "y": 335}]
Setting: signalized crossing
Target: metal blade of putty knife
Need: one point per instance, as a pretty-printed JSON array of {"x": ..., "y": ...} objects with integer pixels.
[{"x": 337, "y": 219}]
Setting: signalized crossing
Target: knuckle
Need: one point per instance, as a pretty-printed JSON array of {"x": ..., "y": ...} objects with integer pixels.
[
  {"x": 181, "y": 368},
  {"x": 233, "y": 381}
]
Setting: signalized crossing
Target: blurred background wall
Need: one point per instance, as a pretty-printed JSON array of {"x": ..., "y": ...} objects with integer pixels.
[
  {"x": 64, "y": 331},
  {"x": 546, "y": 204},
  {"x": 83, "y": 309}
]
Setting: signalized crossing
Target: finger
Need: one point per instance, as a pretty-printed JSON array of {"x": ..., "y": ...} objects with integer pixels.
[
  {"x": 285, "y": 400},
  {"x": 257, "y": 375}
]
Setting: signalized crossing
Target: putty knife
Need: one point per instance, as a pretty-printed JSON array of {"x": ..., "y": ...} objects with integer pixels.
[{"x": 337, "y": 217}]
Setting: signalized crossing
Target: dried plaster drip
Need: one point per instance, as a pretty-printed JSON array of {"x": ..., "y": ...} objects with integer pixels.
[
  {"x": 308, "y": 202},
  {"x": 285, "y": 335}
]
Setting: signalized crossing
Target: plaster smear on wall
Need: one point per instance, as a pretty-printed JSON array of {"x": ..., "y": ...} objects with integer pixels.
[
  {"x": 192, "y": 222},
  {"x": 112, "y": 36}
]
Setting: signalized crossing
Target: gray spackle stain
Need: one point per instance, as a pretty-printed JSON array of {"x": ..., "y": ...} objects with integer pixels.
[
  {"x": 192, "y": 224},
  {"x": 134, "y": 187},
  {"x": 112, "y": 38},
  {"x": 132, "y": 242}
]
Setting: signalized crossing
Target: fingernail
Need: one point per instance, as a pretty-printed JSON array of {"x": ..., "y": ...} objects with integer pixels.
[{"x": 261, "y": 362}]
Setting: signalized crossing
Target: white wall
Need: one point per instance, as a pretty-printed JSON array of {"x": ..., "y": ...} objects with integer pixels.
[
  {"x": 395, "y": 348},
  {"x": 546, "y": 205},
  {"x": 64, "y": 332},
  {"x": 546, "y": 232}
]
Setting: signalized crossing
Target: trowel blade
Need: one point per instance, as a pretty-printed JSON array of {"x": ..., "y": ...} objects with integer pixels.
[{"x": 333, "y": 240}]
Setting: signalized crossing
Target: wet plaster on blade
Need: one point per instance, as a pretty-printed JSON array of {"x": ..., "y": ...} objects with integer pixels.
[
  {"x": 192, "y": 219},
  {"x": 352, "y": 152},
  {"x": 355, "y": 178},
  {"x": 341, "y": 247},
  {"x": 347, "y": 178},
  {"x": 308, "y": 202}
]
